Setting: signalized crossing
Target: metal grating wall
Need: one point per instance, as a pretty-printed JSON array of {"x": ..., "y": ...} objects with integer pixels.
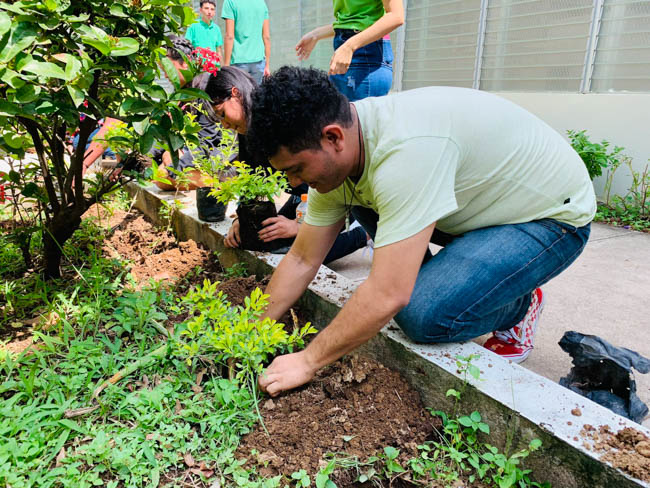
[
  {"x": 535, "y": 45},
  {"x": 497, "y": 45},
  {"x": 440, "y": 43},
  {"x": 622, "y": 61}
]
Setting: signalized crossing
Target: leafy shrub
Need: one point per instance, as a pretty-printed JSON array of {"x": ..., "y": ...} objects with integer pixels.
[
  {"x": 596, "y": 156},
  {"x": 250, "y": 185},
  {"x": 234, "y": 336}
]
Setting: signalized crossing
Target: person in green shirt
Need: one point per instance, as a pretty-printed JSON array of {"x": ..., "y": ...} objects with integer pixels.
[
  {"x": 362, "y": 64},
  {"x": 248, "y": 38},
  {"x": 205, "y": 33},
  {"x": 504, "y": 194}
]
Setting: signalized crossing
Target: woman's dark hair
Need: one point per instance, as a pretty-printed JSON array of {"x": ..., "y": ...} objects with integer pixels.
[
  {"x": 180, "y": 45},
  {"x": 291, "y": 107},
  {"x": 219, "y": 87}
]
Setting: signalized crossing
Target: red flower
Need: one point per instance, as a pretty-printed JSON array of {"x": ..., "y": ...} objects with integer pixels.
[{"x": 207, "y": 60}]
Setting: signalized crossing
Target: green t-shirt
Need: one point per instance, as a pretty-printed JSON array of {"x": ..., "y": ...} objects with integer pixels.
[
  {"x": 463, "y": 158},
  {"x": 201, "y": 34},
  {"x": 249, "y": 16},
  {"x": 357, "y": 14}
]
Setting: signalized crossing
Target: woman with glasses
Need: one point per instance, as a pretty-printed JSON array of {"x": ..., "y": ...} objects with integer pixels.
[{"x": 230, "y": 91}]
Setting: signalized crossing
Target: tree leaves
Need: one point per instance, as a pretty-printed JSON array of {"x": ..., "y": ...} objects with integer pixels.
[
  {"x": 47, "y": 70},
  {"x": 22, "y": 36},
  {"x": 125, "y": 46}
]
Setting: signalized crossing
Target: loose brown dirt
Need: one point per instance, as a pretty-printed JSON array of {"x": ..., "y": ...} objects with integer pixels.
[
  {"x": 356, "y": 406},
  {"x": 628, "y": 449},
  {"x": 154, "y": 253}
]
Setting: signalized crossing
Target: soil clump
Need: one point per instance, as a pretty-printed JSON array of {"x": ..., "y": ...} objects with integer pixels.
[{"x": 628, "y": 449}]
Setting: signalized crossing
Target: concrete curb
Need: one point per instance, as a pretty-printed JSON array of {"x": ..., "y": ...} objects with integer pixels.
[{"x": 518, "y": 404}]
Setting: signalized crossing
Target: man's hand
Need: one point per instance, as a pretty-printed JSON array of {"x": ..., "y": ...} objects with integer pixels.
[
  {"x": 286, "y": 372},
  {"x": 267, "y": 71},
  {"x": 232, "y": 239},
  {"x": 278, "y": 227}
]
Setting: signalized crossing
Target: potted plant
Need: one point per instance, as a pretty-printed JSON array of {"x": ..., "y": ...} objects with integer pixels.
[
  {"x": 254, "y": 189},
  {"x": 215, "y": 168}
]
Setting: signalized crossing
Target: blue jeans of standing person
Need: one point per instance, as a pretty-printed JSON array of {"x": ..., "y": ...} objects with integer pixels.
[
  {"x": 256, "y": 69},
  {"x": 371, "y": 71},
  {"x": 345, "y": 243},
  {"x": 481, "y": 281}
]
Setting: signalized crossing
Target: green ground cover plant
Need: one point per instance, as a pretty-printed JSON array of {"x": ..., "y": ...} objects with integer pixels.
[{"x": 111, "y": 396}]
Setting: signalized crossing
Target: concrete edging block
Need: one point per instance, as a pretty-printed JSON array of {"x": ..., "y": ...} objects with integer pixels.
[{"x": 518, "y": 404}]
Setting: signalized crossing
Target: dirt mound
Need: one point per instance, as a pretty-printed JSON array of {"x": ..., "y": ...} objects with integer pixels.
[
  {"x": 154, "y": 253},
  {"x": 355, "y": 405},
  {"x": 628, "y": 449}
]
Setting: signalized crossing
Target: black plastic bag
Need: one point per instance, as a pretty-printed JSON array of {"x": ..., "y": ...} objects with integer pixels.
[{"x": 603, "y": 373}]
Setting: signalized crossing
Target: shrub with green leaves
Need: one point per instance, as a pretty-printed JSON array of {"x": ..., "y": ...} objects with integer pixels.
[
  {"x": 251, "y": 185},
  {"x": 234, "y": 336},
  {"x": 61, "y": 59},
  {"x": 596, "y": 156}
]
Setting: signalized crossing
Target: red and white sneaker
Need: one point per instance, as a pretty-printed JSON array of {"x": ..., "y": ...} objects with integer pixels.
[{"x": 516, "y": 343}]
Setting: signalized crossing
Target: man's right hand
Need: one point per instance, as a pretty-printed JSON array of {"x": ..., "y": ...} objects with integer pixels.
[
  {"x": 232, "y": 239},
  {"x": 286, "y": 372}
]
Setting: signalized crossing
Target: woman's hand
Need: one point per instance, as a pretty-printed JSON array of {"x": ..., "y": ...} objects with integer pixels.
[
  {"x": 305, "y": 46},
  {"x": 278, "y": 227},
  {"x": 232, "y": 239},
  {"x": 341, "y": 60}
]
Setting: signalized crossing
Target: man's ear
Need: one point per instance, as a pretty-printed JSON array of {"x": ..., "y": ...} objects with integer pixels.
[{"x": 333, "y": 134}]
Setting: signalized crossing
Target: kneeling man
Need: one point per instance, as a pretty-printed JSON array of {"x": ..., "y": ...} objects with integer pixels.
[{"x": 505, "y": 195}]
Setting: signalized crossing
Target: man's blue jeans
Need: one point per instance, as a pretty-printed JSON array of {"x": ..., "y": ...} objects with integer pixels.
[
  {"x": 371, "y": 71},
  {"x": 481, "y": 281},
  {"x": 256, "y": 69}
]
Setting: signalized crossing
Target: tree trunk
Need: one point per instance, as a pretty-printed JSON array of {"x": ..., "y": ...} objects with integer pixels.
[{"x": 56, "y": 233}]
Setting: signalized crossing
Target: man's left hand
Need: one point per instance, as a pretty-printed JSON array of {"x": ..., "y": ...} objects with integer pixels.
[{"x": 285, "y": 373}]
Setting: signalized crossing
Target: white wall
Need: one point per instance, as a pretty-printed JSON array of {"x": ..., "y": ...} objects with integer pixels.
[{"x": 623, "y": 119}]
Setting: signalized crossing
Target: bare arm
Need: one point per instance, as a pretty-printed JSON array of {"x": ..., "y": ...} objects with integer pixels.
[
  {"x": 306, "y": 45},
  {"x": 386, "y": 291},
  {"x": 97, "y": 146},
  {"x": 266, "y": 37},
  {"x": 228, "y": 41},
  {"x": 392, "y": 18},
  {"x": 299, "y": 266}
]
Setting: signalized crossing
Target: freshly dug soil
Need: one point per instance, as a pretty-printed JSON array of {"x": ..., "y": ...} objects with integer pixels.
[
  {"x": 628, "y": 449},
  {"x": 154, "y": 253},
  {"x": 355, "y": 405}
]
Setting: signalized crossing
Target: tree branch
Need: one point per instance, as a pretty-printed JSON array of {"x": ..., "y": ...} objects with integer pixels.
[{"x": 33, "y": 130}]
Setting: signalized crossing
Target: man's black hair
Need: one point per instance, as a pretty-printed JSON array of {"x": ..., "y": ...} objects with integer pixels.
[
  {"x": 291, "y": 107},
  {"x": 208, "y": 1}
]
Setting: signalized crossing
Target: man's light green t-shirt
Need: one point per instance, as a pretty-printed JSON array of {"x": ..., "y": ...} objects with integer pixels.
[
  {"x": 249, "y": 16},
  {"x": 463, "y": 158},
  {"x": 357, "y": 14},
  {"x": 201, "y": 34}
]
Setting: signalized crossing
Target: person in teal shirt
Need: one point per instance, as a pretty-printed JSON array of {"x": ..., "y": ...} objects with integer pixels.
[
  {"x": 248, "y": 39},
  {"x": 205, "y": 33}
]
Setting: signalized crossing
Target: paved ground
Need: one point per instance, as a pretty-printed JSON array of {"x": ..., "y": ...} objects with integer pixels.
[{"x": 606, "y": 292}]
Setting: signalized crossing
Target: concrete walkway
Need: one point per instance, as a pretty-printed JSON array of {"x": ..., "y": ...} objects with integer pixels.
[{"x": 606, "y": 292}]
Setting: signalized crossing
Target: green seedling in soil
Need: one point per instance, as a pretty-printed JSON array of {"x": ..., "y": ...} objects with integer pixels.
[{"x": 237, "y": 270}]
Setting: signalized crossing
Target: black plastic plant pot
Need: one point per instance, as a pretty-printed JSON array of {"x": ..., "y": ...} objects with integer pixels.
[
  {"x": 251, "y": 215},
  {"x": 210, "y": 210}
]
